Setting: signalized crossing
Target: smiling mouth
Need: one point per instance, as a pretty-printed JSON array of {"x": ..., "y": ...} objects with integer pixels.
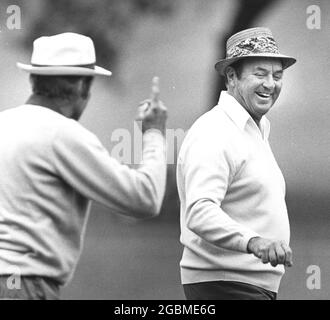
[{"x": 264, "y": 95}]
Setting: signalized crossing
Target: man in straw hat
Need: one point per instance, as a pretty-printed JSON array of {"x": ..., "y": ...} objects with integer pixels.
[
  {"x": 51, "y": 167},
  {"x": 234, "y": 222}
]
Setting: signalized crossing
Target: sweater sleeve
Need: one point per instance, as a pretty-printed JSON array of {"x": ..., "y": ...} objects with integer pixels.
[
  {"x": 208, "y": 170},
  {"x": 82, "y": 161}
]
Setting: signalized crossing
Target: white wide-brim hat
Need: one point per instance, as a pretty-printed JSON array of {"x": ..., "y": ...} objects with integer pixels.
[
  {"x": 64, "y": 54},
  {"x": 249, "y": 43}
]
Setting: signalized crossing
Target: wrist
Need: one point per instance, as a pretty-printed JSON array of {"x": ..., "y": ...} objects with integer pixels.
[
  {"x": 155, "y": 129},
  {"x": 250, "y": 244}
]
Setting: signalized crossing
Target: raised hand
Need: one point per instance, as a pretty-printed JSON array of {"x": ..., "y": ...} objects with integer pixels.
[{"x": 152, "y": 112}]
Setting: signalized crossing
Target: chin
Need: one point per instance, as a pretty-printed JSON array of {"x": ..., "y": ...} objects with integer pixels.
[{"x": 264, "y": 108}]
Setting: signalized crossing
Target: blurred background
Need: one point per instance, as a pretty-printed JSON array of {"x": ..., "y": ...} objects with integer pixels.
[{"x": 180, "y": 41}]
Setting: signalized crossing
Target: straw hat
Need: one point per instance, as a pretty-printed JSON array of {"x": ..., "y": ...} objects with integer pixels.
[{"x": 254, "y": 42}]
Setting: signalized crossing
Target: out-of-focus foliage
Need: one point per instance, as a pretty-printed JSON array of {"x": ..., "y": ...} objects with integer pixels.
[{"x": 107, "y": 22}]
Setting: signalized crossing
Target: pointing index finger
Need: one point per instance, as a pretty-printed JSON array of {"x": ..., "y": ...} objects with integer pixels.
[{"x": 155, "y": 91}]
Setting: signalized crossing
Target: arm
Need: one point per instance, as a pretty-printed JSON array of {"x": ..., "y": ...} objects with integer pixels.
[
  {"x": 208, "y": 170},
  {"x": 82, "y": 161},
  {"x": 208, "y": 173}
]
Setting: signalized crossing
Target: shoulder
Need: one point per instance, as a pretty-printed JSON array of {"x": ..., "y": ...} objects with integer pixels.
[
  {"x": 212, "y": 127},
  {"x": 215, "y": 120},
  {"x": 72, "y": 132},
  {"x": 208, "y": 141},
  {"x": 48, "y": 127}
]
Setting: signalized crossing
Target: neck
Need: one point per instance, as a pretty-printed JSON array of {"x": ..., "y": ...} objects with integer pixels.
[
  {"x": 254, "y": 117},
  {"x": 64, "y": 107},
  {"x": 256, "y": 120}
]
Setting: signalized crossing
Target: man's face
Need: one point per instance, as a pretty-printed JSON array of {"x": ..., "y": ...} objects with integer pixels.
[{"x": 259, "y": 85}]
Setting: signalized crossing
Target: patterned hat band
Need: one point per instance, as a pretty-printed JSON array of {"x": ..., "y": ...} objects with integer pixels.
[{"x": 253, "y": 46}]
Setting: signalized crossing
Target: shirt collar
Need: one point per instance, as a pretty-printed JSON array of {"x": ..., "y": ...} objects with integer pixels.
[{"x": 239, "y": 115}]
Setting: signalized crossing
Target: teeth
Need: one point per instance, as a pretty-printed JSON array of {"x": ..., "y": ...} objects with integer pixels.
[{"x": 264, "y": 95}]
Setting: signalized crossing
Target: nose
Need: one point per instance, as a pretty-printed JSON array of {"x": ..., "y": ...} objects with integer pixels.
[{"x": 269, "y": 82}]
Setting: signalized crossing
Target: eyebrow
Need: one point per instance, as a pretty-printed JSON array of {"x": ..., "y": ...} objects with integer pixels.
[{"x": 265, "y": 70}]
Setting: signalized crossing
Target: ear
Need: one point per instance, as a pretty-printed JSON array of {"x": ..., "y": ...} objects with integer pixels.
[
  {"x": 80, "y": 84},
  {"x": 30, "y": 79},
  {"x": 231, "y": 76},
  {"x": 85, "y": 87}
]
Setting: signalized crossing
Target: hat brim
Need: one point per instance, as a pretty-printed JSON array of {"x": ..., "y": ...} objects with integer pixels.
[
  {"x": 287, "y": 61},
  {"x": 64, "y": 70}
]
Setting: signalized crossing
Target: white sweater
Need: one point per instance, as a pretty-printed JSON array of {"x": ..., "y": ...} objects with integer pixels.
[
  {"x": 231, "y": 189},
  {"x": 50, "y": 169}
]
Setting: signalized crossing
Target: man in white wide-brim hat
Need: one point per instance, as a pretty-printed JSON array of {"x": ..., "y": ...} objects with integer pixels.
[
  {"x": 52, "y": 167},
  {"x": 234, "y": 222}
]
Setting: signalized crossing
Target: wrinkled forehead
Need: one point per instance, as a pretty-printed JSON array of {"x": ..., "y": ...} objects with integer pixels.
[{"x": 270, "y": 64}]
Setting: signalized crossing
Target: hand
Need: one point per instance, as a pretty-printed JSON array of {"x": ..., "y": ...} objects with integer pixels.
[
  {"x": 275, "y": 252},
  {"x": 152, "y": 112}
]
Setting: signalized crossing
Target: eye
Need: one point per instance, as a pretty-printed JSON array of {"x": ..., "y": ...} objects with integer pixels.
[
  {"x": 277, "y": 77},
  {"x": 259, "y": 74}
]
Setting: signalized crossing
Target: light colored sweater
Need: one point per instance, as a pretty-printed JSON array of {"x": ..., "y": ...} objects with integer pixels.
[
  {"x": 50, "y": 169},
  {"x": 231, "y": 189}
]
